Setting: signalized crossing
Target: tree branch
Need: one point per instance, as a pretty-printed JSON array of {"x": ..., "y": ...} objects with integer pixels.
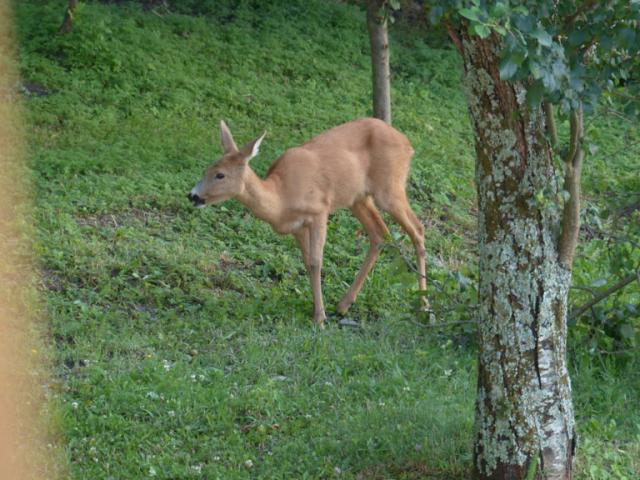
[
  {"x": 444, "y": 324},
  {"x": 583, "y": 8},
  {"x": 552, "y": 130},
  {"x": 453, "y": 34},
  {"x": 602, "y": 295},
  {"x": 576, "y": 129},
  {"x": 67, "y": 23},
  {"x": 571, "y": 214}
]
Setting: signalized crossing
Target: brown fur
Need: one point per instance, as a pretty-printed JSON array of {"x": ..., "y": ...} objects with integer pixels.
[{"x": 358, "y": 165}]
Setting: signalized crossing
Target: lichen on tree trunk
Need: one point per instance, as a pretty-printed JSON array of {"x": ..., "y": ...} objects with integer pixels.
[{"x": 524, "y": 412}]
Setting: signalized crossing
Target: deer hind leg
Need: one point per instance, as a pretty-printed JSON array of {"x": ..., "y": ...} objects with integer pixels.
[
  {"x": 400, "y": 210},
  {"x": 372, "y": 221}
]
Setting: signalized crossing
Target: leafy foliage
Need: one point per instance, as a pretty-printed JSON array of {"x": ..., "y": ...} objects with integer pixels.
[
  {"x": 573, "y": 54},
  {"x": 568, "y": 52},
  {"x": 612, "y": 325}
]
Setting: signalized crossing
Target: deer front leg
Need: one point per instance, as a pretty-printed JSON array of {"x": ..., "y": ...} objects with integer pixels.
[
  {"x": 317, "y": 237},
  {"x": 302, "y": 239}
]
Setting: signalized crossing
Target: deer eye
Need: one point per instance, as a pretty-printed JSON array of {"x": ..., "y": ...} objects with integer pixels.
[{"x": 219, "y": 175}]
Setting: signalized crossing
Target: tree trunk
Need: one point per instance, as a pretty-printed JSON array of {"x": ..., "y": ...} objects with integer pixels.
[
  {"x": 524, "y": 413},
  {"x": 378, "y": 38},
  {"x": 67, "y": 23}
]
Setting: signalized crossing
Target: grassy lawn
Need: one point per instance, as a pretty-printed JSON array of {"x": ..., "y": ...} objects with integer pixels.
[{"x": 182, "y": 338}]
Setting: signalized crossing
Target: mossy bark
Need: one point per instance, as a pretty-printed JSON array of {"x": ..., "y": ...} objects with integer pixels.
[{"x": 524, "y": 413}]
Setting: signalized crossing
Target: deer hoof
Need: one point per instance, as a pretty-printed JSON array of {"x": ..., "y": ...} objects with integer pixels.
[
  {"x": 425, "y": 306},
  {"x": 319, "y": 319},
  {"x": 344, "y": 305}
]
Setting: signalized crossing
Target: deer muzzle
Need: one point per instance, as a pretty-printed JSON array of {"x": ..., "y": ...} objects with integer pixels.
[{"x": 195, "y": 199}]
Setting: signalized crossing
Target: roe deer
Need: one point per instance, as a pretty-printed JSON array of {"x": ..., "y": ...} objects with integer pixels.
[{"x": 357, "y": 165}]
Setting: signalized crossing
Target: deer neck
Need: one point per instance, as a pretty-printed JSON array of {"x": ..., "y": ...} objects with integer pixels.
[{"x": 261, "y": 197}]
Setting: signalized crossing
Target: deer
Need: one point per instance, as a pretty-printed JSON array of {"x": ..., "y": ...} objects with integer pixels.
[{"x": 361, "y": 165}]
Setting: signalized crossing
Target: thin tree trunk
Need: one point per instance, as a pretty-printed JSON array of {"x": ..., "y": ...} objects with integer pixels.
[
  {"x": 67, "y": 23},
  {"x": 378, "y": 38},
  {"x": 572, "y": 171},
  {"x": 550, "y": 120},
  {"x": 524, "y": 413}
]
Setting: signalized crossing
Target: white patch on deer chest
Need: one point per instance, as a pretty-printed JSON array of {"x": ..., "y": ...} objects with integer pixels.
[
  {"x": 289, "y": 226},
  {"x": 295, "y": 225}
]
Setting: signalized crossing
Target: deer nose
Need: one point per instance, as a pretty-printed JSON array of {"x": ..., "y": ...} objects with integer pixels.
[{"x": 195, "y": 199}]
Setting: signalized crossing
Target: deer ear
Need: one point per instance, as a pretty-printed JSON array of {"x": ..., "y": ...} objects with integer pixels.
[
  {"x": 250, "y": 150},
  {"x": 227, "y": 139}
]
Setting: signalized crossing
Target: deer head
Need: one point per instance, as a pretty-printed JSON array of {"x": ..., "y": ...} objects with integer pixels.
[{"x": 225, "y": 178}]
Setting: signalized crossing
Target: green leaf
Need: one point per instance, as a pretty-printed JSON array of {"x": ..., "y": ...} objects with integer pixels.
[
  {"x": 481, "y": 30},
  {"x": 435, "y": 14},
  {"x": 578, "y": 37},
  {"x": 533, "y": 468},
  {"x": 606, "y": 42},
  {"x": 507, "y": 69},
  {"x": 626, "y": 37},
  {"x": 543, "y": 37},
  {"x": 627, "y": 330},
  {"x": 470, "y": 13},
  {"x": 499, "y": 10},
  {"x": 550, "y": 81},
  {"x": 535, "y": 69},
  {"x": 517, "y": 56},
  {"x": 535, "y": 93},
  {"x": 500, "y": 30},
  {"x": 524, "y": 23}
]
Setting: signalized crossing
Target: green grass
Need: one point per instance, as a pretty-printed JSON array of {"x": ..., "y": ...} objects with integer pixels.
[{"x": 183, "y": 341}]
